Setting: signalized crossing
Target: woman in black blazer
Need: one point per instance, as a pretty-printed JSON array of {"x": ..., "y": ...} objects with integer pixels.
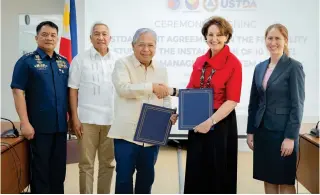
[{"x": 275, "y": 113}]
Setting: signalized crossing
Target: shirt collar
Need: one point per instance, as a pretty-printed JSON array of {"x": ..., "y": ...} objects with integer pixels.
[
  {"x": 94, "y": 53},
  {"x": 219, "y": 60},
  {"x": 137, "y": 64},
  {"x": 44, "y": 55}
]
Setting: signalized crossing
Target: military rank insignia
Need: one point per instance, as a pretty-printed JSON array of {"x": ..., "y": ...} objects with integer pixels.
[
  {"x": 61, "y": 64},
  {"x": 40, "y": 65},
  {"x": 29, "y": 53}
]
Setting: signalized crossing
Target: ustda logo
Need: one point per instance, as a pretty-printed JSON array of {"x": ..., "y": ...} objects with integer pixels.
[{"x": 212, "y": 5}]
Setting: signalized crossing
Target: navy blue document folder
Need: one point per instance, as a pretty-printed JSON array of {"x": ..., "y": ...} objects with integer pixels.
[
  {"x": 195, "y": 106},
  {"x": 154, "y": 125}
]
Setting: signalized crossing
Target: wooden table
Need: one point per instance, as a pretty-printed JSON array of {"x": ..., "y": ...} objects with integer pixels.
[
  {"x": 308, "y": 167},
  {"x": 14, "y": 165},
  {"x": 15, "y": 160}
]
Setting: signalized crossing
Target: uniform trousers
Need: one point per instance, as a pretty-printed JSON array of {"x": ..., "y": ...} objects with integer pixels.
[{"x": 48, "y": 163}]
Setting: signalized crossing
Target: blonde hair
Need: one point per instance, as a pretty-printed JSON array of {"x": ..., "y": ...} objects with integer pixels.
[{"x": 284, "y": 31}]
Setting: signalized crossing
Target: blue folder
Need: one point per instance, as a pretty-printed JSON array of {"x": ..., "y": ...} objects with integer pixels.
[
  {"x": 195, "y": 106},
  {"x": 154, "y": 124}
]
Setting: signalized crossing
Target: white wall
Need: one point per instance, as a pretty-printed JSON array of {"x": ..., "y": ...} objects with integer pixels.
[{"x": 80, "y": 6}]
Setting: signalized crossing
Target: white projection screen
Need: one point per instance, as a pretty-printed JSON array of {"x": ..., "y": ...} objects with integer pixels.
[{"x": 178, "y": 24}]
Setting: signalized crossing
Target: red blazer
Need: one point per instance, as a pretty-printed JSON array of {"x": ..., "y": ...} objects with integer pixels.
[{"x": 226, "y": 81}]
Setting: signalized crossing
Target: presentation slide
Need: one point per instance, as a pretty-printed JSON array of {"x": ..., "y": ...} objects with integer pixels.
[{"x": 178, "y": 25}]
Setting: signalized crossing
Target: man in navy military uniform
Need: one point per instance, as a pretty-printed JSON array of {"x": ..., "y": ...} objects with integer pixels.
[{"x": 39, "y": 85}]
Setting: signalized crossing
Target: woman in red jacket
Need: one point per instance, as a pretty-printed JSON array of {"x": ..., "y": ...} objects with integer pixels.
[{"x": 212, "y": 155}]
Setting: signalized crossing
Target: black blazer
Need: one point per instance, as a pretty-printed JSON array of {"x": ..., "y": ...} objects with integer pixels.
[{"x": 280, "y": 106}]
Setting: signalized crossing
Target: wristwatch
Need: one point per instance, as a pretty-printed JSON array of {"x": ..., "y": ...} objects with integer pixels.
[{"x": 174, "y": 92}]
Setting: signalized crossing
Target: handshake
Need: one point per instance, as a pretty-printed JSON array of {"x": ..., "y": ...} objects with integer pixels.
[{"x": 161, "y": 90}]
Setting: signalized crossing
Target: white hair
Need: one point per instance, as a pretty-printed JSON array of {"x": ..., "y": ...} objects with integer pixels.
[
  {"x": 97, "y": 24},
  {"x": 141, "y": 31}
]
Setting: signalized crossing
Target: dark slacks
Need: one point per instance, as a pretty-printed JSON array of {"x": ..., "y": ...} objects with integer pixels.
[
  {"x": 131, "y": 157},
  {"x": 48, "y": 163},
  {"x": 212, "y": 159}
]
